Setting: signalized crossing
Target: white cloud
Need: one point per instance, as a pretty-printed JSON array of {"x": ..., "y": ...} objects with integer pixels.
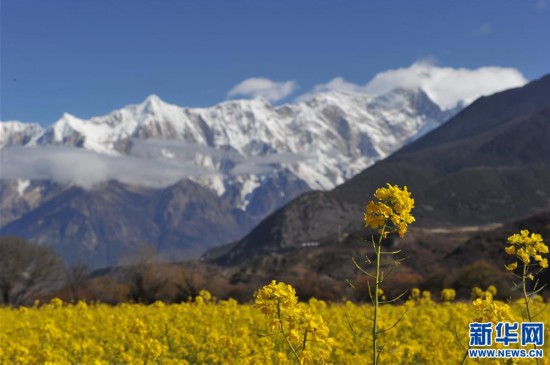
[
  {"x": 147, "y": 164},
  {"x": 338, "y": 83},
  {"x": 446, "y": 86},
  {"x": 87, "y": 168},
  {"x": 268, "y": 89}
]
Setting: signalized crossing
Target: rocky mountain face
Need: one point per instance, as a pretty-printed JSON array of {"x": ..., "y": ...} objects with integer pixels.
[
  {"x": 102, "y": 226},
  {"x": 186, "y": 179},
  {"x": 488, "y": 164},
  {"x": 19, "y": 197}
]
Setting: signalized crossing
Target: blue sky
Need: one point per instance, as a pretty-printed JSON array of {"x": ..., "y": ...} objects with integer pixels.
[{"x": 91, "y": 57}]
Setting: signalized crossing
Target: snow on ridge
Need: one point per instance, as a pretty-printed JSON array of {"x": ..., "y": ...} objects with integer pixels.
[
  {"x": 19, "y": 133},
  {"x": 341, "y": 133},
  {"x": 22, "y": 185}
]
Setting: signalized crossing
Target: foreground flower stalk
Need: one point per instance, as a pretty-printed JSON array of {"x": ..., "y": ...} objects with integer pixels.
[
  {"x": 391, "y": 213},
  {"x": 285, "y": 336},
  {"x": 529, "y": 250}
]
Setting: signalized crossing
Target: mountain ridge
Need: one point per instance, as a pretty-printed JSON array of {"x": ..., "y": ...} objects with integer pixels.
[{"x": 326, "y": 123}]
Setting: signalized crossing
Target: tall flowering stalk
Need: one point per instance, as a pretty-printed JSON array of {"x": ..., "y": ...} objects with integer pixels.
[
  {"x": 529, "y": 250},
  {"x": 390, "y": 213}
]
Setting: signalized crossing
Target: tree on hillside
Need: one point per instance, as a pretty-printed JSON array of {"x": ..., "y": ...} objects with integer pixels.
[
  {"x": 75, "y": 279},
  {"x": 143, "y": 275},
  {"x": 188, "y": 284},
  {"x": 26, "y": 270}
]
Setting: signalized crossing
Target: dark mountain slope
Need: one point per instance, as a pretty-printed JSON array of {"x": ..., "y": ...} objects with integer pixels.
[
  {"x": 490, "y": 245},
  {"x": 500, "y": 174},
  {"x": 311, "y": 218},
  {"x": 457, "y": 257}
]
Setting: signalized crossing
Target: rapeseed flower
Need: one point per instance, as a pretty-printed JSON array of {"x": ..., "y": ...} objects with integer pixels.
[
  {"x": 527, "y": 247},
  {"x": 393, "y": 209},
  {"x": 489, "y": 310},
  {"x": 273, "y": 295},
  {"x": 447, "y": 295},
  {"x": 297, "y": 322}
]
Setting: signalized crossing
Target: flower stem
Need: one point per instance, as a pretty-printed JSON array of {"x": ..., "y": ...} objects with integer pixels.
[
  {"x": 377, "y": 282},
  {"x": 283, "y": 332},
  {"x": 526, "y": 298},
  {"x": 465, "y": 356}
]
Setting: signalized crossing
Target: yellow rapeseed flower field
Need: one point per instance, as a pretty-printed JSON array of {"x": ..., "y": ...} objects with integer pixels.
[
  {"x": 224, "y": 332},
  {"x": 278, "y": 329}
]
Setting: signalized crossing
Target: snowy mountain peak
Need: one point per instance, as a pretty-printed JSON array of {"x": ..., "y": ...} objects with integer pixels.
[
  {"x": 153, "y": 103},
  {"x": 153, "y": 98},
  {"x": 68, "y": 117},
  {"x": 237, "y": 147}
]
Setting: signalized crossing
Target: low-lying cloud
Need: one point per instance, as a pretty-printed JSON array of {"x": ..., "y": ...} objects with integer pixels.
[
  {"x": 87, "y": 168},
  {"x": 266, "y": 88},
  {"x": 257, "y": 165},
  {"x": 446, "y": 86},
  {"x": 153, "y": 163}
]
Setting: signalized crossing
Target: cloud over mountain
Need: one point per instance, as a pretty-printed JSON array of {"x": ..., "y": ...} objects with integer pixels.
[
  {"x": 152, "y": 163},
  {"x": 266, "y": 88},
  {"x": 88, "y": 168},
  {"x": 446, "y": 86}
]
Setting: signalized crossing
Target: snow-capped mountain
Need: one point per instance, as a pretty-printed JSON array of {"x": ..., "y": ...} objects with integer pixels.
[
  {"x": 246, "y": 156},
  {"x": 19, "y": 133},
  {"x": 322, "y": 142}
]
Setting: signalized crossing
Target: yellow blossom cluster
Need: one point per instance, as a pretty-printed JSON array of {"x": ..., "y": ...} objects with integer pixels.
[
  {"x": 489, "y": 310},
  {"x": 490, "y": 292},
  {"x": 276, "y": 297},
  {"x": 527, "y": 247},
  {"x": 225, "y": 332},
  {"x": 392, "y": 210},
  {"x": 447, "y": 295},
  {"x": 418, "y": 297},
  {"x": 299, "y": 324},
  {"x": 204, "y": 297}
]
